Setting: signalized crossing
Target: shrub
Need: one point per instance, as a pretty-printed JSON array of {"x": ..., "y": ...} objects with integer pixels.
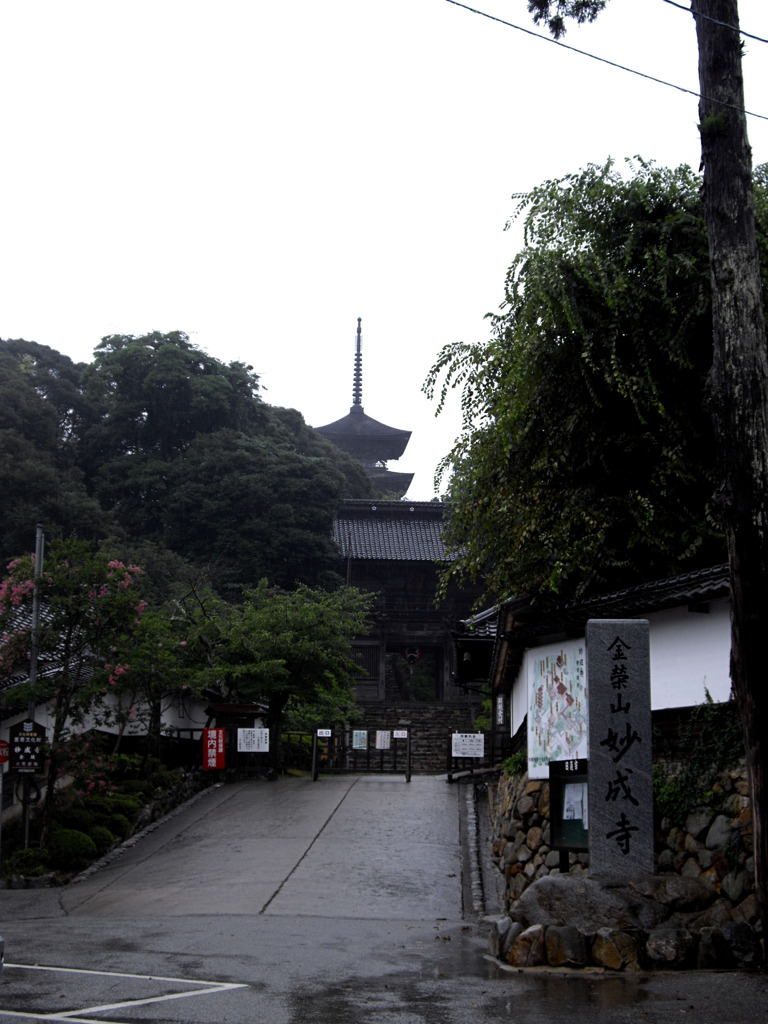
[
  {"x": 102, "y": 838},
  {"x": 119, "y": 825},
  {"x": 136, "y": 787},
  {"x": 105, "y": 806},
  {"x": 165, "y": 780},
  {"x": 70, "y": 850},
  {"x": 75, "y": 816},
  {"x": 30, "y": 863},
  {"x": 517, "y": 764}
]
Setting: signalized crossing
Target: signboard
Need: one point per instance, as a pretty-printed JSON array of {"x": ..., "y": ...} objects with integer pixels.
[
  {"x": 382, "y": 740},
  {"x": 499, "y": 711},
  {"x": 569, "y": 807},
  {"x": 27, "y": 742},
  {"x": 558, "y": 727},
  {"x": 400, "y": 734},
  {"x": 467, "y": 744},
  {"x": 620, "y": 763},
  {"x": 5, "y": 751},
  {"x": 359, "y": 739},
  {"x": 324, "y": 734},
  {"x": 214, "y": 744},
  {"x": 252, "y": 741}
]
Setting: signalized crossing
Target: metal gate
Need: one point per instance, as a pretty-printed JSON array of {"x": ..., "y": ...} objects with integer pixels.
[{"x": 378, "y": 751}]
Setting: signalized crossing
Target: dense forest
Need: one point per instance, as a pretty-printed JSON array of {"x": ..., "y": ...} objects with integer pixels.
[{"x": 170, "y": 458}]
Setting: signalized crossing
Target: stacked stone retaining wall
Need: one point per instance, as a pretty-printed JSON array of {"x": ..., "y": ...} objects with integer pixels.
[
  {"x": 711, "y": 850},
  {"x": 431, "y": 725}
]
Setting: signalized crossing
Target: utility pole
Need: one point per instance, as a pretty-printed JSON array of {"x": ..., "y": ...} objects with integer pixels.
[{"x": 34, "y": 649}]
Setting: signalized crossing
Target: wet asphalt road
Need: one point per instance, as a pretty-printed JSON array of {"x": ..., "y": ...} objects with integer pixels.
[{"x": 345, "y": 900}]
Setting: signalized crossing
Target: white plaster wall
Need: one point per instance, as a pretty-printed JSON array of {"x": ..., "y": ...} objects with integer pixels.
[{"x": 690, "y": 654}]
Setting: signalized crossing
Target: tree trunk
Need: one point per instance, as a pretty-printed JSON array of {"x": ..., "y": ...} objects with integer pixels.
[{"x": 739, "y": 384}]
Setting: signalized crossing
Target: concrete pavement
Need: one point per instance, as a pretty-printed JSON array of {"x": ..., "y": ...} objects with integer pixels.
[
  {"x": 289, "y": 902},
  {"x": 345, "y": 846}
]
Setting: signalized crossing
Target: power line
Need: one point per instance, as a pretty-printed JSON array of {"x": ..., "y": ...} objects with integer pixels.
[
  {"x": 602, "y": 60},
  {"x": 715, "y": 21}
]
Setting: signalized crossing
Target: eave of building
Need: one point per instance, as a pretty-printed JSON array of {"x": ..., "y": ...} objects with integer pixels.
[
  {"x": 391, "y": 531},
  {"x": 366, "y": 438}
]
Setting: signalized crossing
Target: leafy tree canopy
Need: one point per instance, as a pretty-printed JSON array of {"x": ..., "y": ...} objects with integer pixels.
[
  {"x": 553, "y": 13},
  {"x": 586, "y": 455},
  {"x": 90, "y": 610},
  {"x": 42, "y": 414},
  {"x": 156, "y": 443},
  {"x": 290, "y": 648}
]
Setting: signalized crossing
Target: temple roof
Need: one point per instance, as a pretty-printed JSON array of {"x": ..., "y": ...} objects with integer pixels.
[{"x": 391, "y": 530}]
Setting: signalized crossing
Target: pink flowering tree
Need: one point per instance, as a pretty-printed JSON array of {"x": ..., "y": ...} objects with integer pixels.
[
  {"x": 90, "y": 614},
  {"x": 162, "y": 671}
]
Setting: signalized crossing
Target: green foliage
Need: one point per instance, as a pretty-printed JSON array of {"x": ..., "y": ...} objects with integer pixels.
[
  {"x": 483, "y": 719},
  {"x": 516, "y": 765},
  {"x": 43, "y": 412},
  {"x": 158, "y": 447},
  {"x": 553, "y": 13},
  {"x": 187, "y": 455},
  {"x": 118, "y": 825},
  {"x": 586, "y": 455},
  {"x": 74, "y": 814},
  {"x": 164, "y": 780},
  {"x": 102, "y": 839},
  {"x": 30, "y": 863},
  {"x": 714, "y": 744},
  {"x": 70, "y": 850},
  {"x": 292, "y": 649}
]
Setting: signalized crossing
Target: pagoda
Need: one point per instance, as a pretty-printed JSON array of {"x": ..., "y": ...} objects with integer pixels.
[{"x": 365, "y": 439}]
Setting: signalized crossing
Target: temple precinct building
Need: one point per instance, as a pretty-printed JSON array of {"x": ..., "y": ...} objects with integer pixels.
[{"x": 396, "y": 548}]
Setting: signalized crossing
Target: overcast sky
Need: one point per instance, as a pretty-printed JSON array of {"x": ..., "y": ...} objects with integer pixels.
[{"x": 260, "y": 174}]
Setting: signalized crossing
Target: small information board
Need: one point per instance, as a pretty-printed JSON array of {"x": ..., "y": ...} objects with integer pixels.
[
  {"x": 569, "y": 814},
  {"x": 360, "y": 739},
  {"x": 253, "y": 741},
  {"x": 26, "y": 747},
  {"x": 324, "y": 734},
  {"x": 468, "y": 744},
  {"x": 400, "y": 734},
  {"x": 382, "y": 739}
]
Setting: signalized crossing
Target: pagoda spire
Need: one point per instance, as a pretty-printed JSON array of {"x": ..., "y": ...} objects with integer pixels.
[{"x": 357, "y": 387}]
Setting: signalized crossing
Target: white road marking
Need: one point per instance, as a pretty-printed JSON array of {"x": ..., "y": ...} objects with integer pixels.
[{"x": 202, "y": 988}]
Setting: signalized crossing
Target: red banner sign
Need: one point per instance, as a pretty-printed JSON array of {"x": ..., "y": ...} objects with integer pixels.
[{"x": 213, "y": 748}]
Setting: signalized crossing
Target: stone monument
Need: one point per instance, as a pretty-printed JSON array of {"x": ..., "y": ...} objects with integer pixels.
[{"x": 620, "y": 799}]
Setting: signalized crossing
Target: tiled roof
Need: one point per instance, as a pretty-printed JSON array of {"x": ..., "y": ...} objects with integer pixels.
[
  {"x": 391, "y": 531},
  {"x": 533, "y": 618},
  {"x": 364, "y": 437}
]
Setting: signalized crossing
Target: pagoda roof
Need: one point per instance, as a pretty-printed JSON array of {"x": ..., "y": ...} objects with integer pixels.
[{"x": 365, "y": 438}]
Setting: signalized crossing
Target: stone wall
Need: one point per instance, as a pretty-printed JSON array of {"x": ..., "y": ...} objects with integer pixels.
[
  {"x": 431, "y": 726},
  {"x": 711, "y": 849}
]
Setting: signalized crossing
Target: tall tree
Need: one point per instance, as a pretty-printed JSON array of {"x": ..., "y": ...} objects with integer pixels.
[
  {"x": 739, "y": 381},
  {"x": 586, "y": 456},
  {"x": 185, "y": 454}
]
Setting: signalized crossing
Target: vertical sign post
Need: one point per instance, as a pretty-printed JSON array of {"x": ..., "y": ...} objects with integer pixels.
[
  {"x": 4, "y": 754},
  {"x": 214, "y": 746},
  {"x": 620, "y": 762}
]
